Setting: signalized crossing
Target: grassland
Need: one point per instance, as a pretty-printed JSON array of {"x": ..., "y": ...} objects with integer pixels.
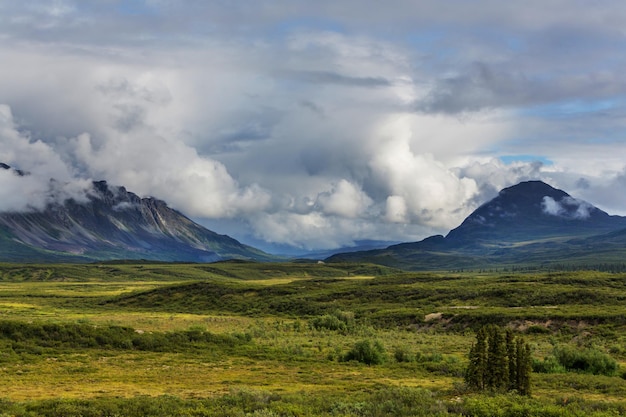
[{"x": 236, "y": 338}]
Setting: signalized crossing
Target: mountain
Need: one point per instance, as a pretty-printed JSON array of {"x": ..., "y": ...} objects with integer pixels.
[
  {"x": 113, "y": 224},
  {"x": 528, "y": 211},
  {"x": 530, "y": 222}
]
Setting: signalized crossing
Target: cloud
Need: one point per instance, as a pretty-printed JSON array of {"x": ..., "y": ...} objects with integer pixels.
[
  {"x": 345, "y": 200},
  {"x": 314, "y": 124},
  {"x": 327, "y": 77},
  {"x": 46, "y": 180},
  {"x": 142, "y": 161},
  {"x": 484, "y": 86},
  {"x": 170, "y": 170},
  {"x": 567, "y": 207},
  {"x": 396, "y": 210},
  {"x": 552, "y": 207}
]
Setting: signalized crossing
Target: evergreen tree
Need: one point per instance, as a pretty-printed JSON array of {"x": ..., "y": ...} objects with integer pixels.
[
  {"x": 497, "y": 363},
  {"x": 524, "y": 367},
  {"x": 511, "y": 352},
  {"x": 476, "y": 371}
]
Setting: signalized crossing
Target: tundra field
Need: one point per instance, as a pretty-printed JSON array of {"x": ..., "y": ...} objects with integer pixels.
[{"x": 300, "y": 339}]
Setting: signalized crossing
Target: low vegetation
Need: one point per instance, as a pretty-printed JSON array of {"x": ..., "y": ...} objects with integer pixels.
[{"x": 306, "y": 339}]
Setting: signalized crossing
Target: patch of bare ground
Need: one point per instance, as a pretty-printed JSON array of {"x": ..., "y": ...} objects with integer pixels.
[{"x": 432, "y": 316}]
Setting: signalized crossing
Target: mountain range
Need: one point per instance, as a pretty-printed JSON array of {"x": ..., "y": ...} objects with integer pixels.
[
  {"x": 530, "y": 223},
  {"x": 113, "y": 224}
]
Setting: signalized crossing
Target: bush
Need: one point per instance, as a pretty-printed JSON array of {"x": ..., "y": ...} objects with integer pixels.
[
  {"x": 337, "y": 321},
  {"x": 366, "y": 352},
  {"x": 536, "y": 329},
  {"x": 34, "y": 338},
  {"x": 550, "y": 365},
  {"x": 329, "y": 322},
  {"x": 590, "y": 361},
  {"x": 402, "y": 354}
]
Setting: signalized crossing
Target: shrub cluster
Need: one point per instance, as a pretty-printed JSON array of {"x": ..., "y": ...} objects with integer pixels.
[
  {"x": 336, "y": 321},
  {"x": 367, "y": 352},
  {"x": 568, "y": 358},
  {"x": 71, "y": 335}
]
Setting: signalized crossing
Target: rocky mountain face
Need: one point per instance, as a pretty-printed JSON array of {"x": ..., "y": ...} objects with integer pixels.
[
  {"x": 528, "y": 222},
  {"x": 113, "y": 224}
]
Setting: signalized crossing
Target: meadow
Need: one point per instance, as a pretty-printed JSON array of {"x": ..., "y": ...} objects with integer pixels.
[{"x": 257, "y": 339}]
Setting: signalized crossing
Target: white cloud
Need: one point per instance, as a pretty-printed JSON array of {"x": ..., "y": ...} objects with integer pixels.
[
  {"x": 314, "y": 124},
  {"x": 567, "y": 207},
  {"x": 396, "y": 210},
  {"x": 552, "y": 207},
  {"x": 345, "y": 200},
  {"x": 583, "y": 209},
  {"x": 46, "y": 178},
  {"x": 148, "y": 164},
  {"x": 421, "y": 188}
]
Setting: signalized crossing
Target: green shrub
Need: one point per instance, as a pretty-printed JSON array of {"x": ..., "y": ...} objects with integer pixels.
[
  {"x": 536, "y": 329},
  {"x": 402, "y": 354},
  {"x": 590, "y": 361},
  {"x": 428, "y": 357},
  {"x": 366, "y": 352},
  {"x": 336, "y": 321},
  {"x": 35, "y": 338},
  {"x": 550, "y": 365},
  {"x": 328, "y": 322}
]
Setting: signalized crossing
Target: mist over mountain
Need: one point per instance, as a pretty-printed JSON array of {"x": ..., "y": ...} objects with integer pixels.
[
  {"x": 112, "y": 223},
  {"x": 530, "y": 222}
]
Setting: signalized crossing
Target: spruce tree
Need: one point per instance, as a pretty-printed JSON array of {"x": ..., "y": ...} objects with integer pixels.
[
  {"x": 524, "y": 367},
  {"x": 511, "y": 352},
  {"x": 497, "y": 363},
  {"x": 476, "y": 371}
]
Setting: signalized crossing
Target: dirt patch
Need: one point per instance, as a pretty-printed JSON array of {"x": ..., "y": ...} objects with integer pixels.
[{"x": 432, "y": 316}]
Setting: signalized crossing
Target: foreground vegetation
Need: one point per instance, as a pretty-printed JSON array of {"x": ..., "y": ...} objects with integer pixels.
[{"x": 300, "y": 339}]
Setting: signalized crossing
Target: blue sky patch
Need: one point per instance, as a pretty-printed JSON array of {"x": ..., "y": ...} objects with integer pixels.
[{"x": 509, "y": 159}]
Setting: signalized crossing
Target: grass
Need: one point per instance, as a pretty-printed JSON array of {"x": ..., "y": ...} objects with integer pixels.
[{"x": 425, "y": 319}]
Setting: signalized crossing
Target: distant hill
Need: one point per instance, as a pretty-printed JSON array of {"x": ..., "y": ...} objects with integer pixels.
[
  {"x": 528, "y": 223},
  {"x": 113, "y": 224}
]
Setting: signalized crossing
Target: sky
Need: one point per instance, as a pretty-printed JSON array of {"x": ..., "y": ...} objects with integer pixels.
[{"x": 313, "y": 125}]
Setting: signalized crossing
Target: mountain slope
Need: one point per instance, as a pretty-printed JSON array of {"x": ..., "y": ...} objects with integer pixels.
[
  {"x": 530, "y": 222},
  {"x": 114, "y": 224}
]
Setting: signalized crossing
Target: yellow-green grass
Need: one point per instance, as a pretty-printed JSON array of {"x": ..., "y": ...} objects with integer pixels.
[
  {"x": 286, "y": 355},
  {"x": 97, "y": 373}
]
